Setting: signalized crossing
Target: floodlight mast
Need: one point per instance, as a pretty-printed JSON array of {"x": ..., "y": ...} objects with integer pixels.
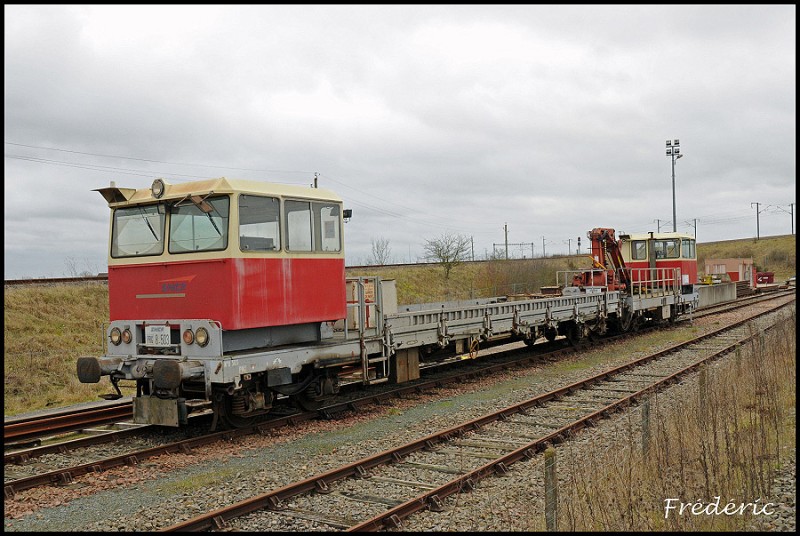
[{"x": 674, "y": 151}]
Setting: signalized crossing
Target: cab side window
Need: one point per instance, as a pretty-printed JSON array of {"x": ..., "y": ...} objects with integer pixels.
[
  {"x": 259, "y": 223},
  {"x": 327, "y": 227},
  {"x": 639, "y": 250},
  {"x": 299, "y": 226}
]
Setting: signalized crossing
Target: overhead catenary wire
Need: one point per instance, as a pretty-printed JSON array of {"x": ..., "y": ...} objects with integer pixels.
[{"x": 187, "y": 177}]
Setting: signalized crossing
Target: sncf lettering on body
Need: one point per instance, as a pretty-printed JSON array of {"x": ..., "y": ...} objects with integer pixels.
[{"x": 173, "y": 287}]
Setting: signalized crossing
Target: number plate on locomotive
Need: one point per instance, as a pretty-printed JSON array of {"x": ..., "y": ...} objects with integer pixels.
[{"x": 156, "y": 336}]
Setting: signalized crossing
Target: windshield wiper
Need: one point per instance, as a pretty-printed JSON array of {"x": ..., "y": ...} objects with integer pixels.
[
  {"x": 214, "y": 224},
  {"x": 144, "y": 217}
]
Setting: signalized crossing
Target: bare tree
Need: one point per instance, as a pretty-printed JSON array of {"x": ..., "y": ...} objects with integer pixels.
[
  {"x": 381, "y": 252},
  {"x": 71, "y": 268},
  {"x": 448, "y": 250}
]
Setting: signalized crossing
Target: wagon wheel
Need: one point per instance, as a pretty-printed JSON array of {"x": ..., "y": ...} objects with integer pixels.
[
  {"x": 550, "y": 333},
  {"x": 575, "y": 335},
  {"x": 626, "y": 320},
  {"x": 598, "y": 330}
]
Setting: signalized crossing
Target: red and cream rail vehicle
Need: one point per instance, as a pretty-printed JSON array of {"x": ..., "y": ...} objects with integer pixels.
[
  {"x": 228, "y": 294},
  {"x": 661, "y": 251},
  {"x": 646, "y": 258},
  {"x": 208, "y": 268}
]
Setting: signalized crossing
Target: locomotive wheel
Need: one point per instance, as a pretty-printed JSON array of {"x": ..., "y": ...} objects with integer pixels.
[
  {"x": 223, "y": 409},
  {"x": 307, "y": 403},
  {"x": 237, "y": 421},
  {"x": 318, "y": 394}
]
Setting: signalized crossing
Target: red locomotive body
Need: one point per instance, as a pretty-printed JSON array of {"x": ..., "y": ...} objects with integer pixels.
[
  {"x": 239, "y": 293},
  {"x": 246, "y": 255}
]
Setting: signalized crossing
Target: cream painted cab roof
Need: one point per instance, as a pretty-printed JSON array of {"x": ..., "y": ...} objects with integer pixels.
[
  {"x": 658, "y": 236},
  {"x": 120, "y": 196}
]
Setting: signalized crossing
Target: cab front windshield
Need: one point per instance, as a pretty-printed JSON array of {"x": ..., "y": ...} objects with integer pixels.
[
  {"x": 200, "y": 225},
  {"x": 139, "y": 231}
]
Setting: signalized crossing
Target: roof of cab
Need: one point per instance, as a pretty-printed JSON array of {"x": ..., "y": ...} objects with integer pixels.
[{"x": 116, "y": 196}]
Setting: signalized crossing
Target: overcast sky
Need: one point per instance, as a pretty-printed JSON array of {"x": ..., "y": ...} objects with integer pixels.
[{"x": 427, "y": 120}]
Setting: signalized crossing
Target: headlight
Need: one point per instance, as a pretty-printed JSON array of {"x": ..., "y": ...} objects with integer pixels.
[
  {"x": 202, "y": 336},
  {"x": 157, "y": 188},
  {"x": 188, "y": 336},
  {"x": 116, "y": 336},
  {"x": 127, "y": 336}
]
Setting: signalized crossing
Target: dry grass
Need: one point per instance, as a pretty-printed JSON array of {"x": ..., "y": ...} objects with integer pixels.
[
  {"x": 720, "y": 437},
  {"x": 46, "y": 328},
  {"x": 426, "y": 282}
]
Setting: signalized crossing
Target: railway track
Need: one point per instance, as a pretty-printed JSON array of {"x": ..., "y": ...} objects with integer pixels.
[
  {"x": 16, "y": 462},
  {"x": 24, "y": 430},
  {"x": 65, "y": 474},
  {"x": 56, "y": 281},
  {"x": 392, "y": 485}
]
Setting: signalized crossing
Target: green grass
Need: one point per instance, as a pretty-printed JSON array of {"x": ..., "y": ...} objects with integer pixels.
[{"x": 196, "y": 482}]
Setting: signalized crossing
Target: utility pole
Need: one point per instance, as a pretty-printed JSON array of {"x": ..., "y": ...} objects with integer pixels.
[
  {"x": 505, "y": 227},
  {"x": 758, "y": 231},
  {"x": 569, "y": 246},
  {"x": 544, "y": 254}
]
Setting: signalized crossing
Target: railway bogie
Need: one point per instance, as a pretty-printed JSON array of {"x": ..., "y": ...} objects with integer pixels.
[{"x": 229, "y": 295}]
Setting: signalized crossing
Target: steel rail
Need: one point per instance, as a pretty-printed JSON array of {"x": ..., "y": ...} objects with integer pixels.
[{"x": 66, "y": 421}]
